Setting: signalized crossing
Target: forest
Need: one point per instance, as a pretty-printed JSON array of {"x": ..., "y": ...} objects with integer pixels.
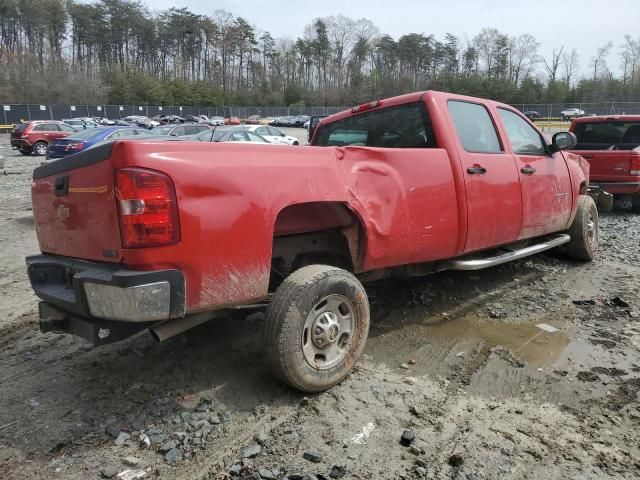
[{"x": 120, "y": 52}]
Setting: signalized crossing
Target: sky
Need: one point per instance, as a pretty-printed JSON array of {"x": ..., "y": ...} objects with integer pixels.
[{"x": 581, "y": 24}]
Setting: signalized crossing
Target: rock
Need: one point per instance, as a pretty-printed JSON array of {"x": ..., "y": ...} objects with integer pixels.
[
  {"x": 225, "y": 417},
  {"x": 338, "y": 471},
  {"x": 108, "y": 471},
  {"x": 113, "y": 430},
  {"x": 405, "y": 366},
  {"x": 139, "y": 423},
  {"x": 214, "y": 419},
  {"x": 407, "y": 438},
  {"x": 170, "y": 445},
  {"x": 145, "y": 442},
  {"x": 132, "y": 461},
  {"x": 261, "y": 437},
  {"x": 415, "y": 450},
  {"x": 617, "y": 302},
  {"x": 172, "y": 456},
  {"x": 266, "y": 474},
  {"x": 293, "y": 476},
  {"x": 421, "y": 471},
  {"x": 235, "y": 470},
  {"x": 121, "y": 438},
  {"x": 251, "y": 451},
  {"x": 180, "y": 436},
  {"x": 204, "y": 405},
  {"x": 456, "y": 460},
  {"x": 312, "y": 456}
]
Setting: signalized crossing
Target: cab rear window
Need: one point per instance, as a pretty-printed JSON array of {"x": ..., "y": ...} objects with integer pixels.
[
  {"x": 403, "y": 126},
  {"x": 605, "y": 135}
]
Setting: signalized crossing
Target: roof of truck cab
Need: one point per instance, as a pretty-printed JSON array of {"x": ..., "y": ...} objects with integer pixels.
[
  {"x": 608, "y": 118},
  {"x": 411, "y": 98}
]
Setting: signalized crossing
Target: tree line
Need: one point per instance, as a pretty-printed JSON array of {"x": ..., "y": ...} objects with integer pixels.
[{"x": 118, "y": 52}]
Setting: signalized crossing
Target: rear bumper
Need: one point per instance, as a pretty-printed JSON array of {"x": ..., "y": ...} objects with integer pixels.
[
  {"x": 19, "y": 143},
  {"x": 100, "y": 294},
  {"x": 618, "y": 188}
]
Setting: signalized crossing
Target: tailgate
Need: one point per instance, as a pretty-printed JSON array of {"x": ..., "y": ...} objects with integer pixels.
[
  {"x": 74, "y": 206},
  {"x": 607, "y": 164}
]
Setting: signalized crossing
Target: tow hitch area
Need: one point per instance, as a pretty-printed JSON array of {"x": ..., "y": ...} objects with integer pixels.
[{"x": 97, "y": 332}]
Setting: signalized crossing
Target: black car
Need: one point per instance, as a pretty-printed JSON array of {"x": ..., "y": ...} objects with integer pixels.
[{"x": 532, "y": 115}]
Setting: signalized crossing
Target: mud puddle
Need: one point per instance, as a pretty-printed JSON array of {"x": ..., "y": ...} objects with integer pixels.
[{"x": 436, "y": 344}]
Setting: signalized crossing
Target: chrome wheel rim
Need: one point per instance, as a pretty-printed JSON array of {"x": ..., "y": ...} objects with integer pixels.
[
  {"x": 592, "y": 229},
  {"x": 327, "y": 332},
  {"x": 41, "y": 149}
]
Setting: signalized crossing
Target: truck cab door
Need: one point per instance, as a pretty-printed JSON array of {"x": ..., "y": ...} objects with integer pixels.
[
  {"x": 492, "y": 184},
  {"x": 544, "y": 178}
]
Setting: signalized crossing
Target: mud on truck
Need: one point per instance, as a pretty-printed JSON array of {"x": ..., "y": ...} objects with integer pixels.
[{"x": 164, "y": 236}]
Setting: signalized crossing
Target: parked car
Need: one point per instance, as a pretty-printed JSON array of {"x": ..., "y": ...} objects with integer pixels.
[
  {"x": 281, "y": 121},
  {"x": 570, "y": 113},
  {"x": 167, "y": 118},
  {"x": 532, "y": 115},
  {"x": 180, "y": 130},
  {"x": 84, "y": 139},
  {"x": 253, "y": 120},
  {"x": 180, "y": 232},
  {"x": 81, "y": 123},
  {"x": 273, "y": 135},
  {"x": 229, "y": 134},
  {"x": 299, "y": 121},
  {"x": 611, "y": 145},
  {"x": 216, "y": 120},
  {"x": 34, "y": 137},
  {"x": 313, "y": 123},
  {"x": 232, "y": 121},
  {"x": 141, "y": 121}
]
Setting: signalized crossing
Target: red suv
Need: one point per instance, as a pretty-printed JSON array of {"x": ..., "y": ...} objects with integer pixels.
[{"x": 34, "y": 137}]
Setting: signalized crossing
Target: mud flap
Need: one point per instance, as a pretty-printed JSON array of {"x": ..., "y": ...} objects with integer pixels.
[{"x": 94, "y": 331}]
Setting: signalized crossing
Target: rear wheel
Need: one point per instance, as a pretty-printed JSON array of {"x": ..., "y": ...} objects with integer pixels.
[
  {"x": 316, "y": 327},
  {"x": 296, "y": 143},
  {"x": 584, "y": 231},
  {"x": 40, "y": 148},
  {"x": 635, "y": 203}
]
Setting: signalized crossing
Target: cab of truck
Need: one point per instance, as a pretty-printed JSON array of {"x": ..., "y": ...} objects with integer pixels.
[{"x": 611, "y": 145}]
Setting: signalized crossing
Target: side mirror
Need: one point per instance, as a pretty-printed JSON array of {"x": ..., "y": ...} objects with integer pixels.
[{"x": 564, "y": 140}]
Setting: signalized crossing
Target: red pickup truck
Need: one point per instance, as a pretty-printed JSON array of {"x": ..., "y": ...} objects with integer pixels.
[
  {"x": 611, "y": 145},
  {"x": 162, "y": 235}
]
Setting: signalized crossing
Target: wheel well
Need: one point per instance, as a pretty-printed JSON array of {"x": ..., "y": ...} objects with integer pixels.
[{"x": 326, "y": 233}]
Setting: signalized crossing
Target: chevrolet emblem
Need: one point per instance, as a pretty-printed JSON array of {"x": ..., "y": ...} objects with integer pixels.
[{"x": 62, "y": 213}]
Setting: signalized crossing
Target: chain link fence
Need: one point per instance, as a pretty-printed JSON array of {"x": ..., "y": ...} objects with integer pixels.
[{"x": 12, "y": 114}]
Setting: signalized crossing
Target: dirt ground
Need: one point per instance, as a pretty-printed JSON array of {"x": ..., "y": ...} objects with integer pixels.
[{"x": 526, "y": 371}]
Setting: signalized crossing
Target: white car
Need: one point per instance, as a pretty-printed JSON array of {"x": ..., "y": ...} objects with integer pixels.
[
  {"x": 571, "y": 113},
  {"x": 273, "y": 135},
  {"x": 214, "y": 121}
]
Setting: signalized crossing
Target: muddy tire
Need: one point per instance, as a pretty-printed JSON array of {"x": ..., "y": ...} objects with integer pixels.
[
  {"x": 635, "y": 204},
  {"x": 40, "y": 148},
  {"x": 584, "y": 231},
  {"x": 316, "y": 327}
]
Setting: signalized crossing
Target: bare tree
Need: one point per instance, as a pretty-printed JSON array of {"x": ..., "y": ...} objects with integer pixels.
[
  {"x": 630, "y": 54},
  {"x": 552, "y": 66},
  {"x": 570, "y": 65},
  {"x": 599, "y": 62}
]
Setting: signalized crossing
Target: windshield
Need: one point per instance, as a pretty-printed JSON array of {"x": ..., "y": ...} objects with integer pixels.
[
  {"x": 163, "y": 130},
  {"x": 604, "y": 135}
]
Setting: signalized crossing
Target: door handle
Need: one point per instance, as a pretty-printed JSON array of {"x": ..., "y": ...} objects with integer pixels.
[
  {"x": 476, "y": 170},
  {"x": 528, "y": 170},
  {"x": 587, "y": 156}
]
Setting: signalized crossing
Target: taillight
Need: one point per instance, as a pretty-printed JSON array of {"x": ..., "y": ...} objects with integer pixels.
[
  {"x": 635, "y": 163},
  {"x": 74, "y": 146},
  {"x": 147, "y": 208}
]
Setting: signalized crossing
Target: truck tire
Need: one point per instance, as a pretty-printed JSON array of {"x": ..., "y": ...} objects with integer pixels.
[
  {"x": 584, "y": 231},
  {"x": 635, "y": 203},
  {"x": 316, "y": 327}
]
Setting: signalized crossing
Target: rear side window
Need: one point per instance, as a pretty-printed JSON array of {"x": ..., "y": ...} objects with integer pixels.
[
  {"x": 21, "y": 127},
  {"x": 603, "y": 135},
  {"x": 46, "y": 127},
  {"x": 404, "y": 126},
  {"x": 475, "y": 128},
  {"x": 524, "y": 139}
]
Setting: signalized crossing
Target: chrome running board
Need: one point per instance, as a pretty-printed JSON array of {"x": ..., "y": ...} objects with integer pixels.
[{"x": 480, "y": 263}]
